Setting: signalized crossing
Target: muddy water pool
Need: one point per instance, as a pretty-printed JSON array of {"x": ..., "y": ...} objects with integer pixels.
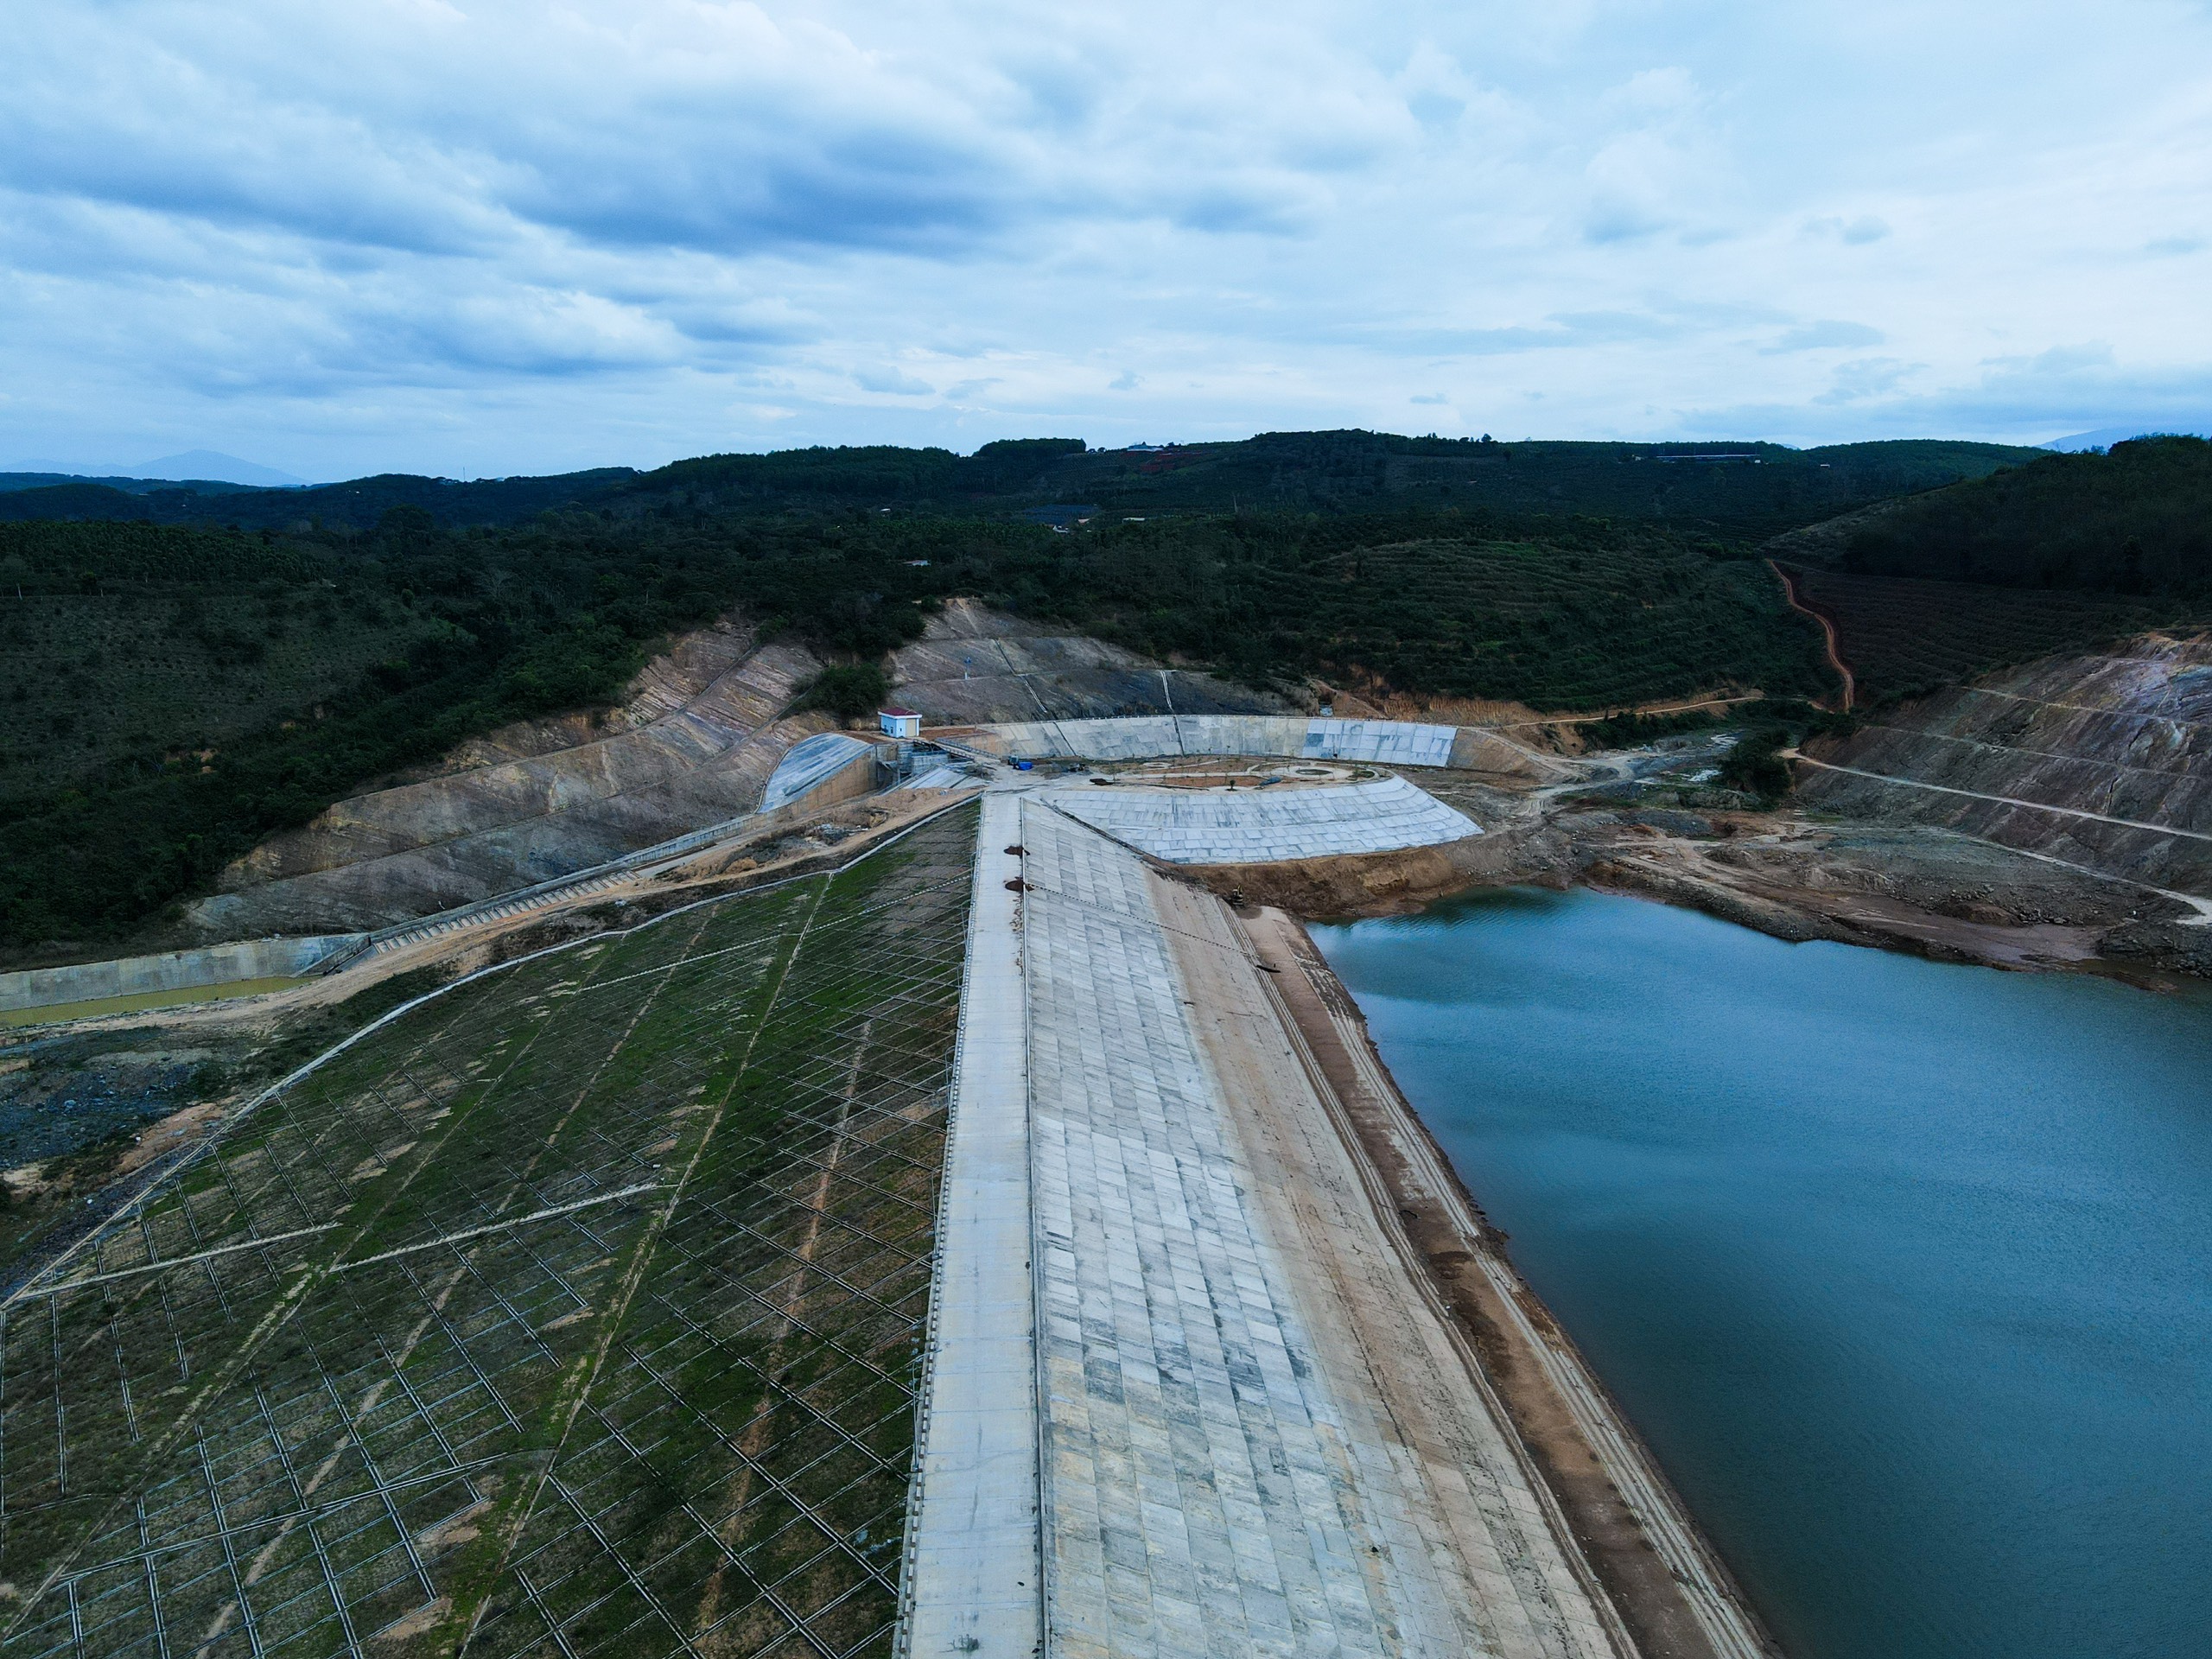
[{"x": 1904, "y": 1269}]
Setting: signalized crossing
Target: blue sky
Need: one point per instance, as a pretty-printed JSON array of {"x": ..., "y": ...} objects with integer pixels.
[{"x": 471, "y": 239}]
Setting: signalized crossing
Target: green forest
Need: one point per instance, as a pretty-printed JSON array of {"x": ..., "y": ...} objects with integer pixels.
[
  {"x": 188, "y": 673},
  {"x": 2135, "y": 521}
]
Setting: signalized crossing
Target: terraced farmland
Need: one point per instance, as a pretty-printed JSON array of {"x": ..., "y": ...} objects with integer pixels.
[
  {"x": 1904, "y": 637},
  {"x": 575, "y": 1310}
]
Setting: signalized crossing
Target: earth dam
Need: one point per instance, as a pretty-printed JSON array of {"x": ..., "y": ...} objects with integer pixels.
[{"x": 1900, "y": 1268}]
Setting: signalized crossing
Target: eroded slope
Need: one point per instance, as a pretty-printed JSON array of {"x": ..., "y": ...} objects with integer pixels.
[
  {"x": 976, "y": 666},
  {"x": 2104, "y": 761},
  {"x": 695, "y": 742}
]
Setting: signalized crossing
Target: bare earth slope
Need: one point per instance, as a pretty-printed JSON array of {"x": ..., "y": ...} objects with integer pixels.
[
  {"x": 976, "y": 666},
  {"x": 2104, "y": 761},
  {"x": 695, "y": 743}
]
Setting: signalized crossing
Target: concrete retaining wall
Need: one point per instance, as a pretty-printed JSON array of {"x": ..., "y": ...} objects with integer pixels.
[
  {"x": 172, "y": 971},
  {"x": 812, "y": 764}
]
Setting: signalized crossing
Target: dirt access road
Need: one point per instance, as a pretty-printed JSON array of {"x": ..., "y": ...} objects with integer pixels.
[{"x": 1827, "y": 633}]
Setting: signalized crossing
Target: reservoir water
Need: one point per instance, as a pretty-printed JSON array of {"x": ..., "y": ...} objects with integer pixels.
[{"x": 1904, "y": 1270}]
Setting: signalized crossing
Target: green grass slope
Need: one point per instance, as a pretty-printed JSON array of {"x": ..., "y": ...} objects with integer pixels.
[{"x": 578, "y": 1309}]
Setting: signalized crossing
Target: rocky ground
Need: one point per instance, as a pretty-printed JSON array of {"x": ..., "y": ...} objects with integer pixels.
[{"x": 1792, "y": 873}]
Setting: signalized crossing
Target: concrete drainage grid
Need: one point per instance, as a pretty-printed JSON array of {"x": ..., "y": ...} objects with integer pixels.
[{"x": 577, "y": 1310}]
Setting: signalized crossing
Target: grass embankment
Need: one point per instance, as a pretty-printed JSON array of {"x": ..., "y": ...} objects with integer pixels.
[
  {"x": 598, "y": 1309},
  {"x": 75, "y": 1106}
]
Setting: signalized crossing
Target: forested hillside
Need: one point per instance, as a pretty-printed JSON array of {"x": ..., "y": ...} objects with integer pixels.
[
  {"x": 1904, "y": 637},
  {"x": 1731, "y": 490},
  {"x": 176, "y": 695},
  {"x": 187, "y": 671},
  {"x": 2136, "y": 520},
  {"x": 181, "y": 693},
  {"x": 2065, "y": 553}
]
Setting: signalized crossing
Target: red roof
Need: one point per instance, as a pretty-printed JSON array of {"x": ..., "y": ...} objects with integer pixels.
[{"x": 911, "y": 714}]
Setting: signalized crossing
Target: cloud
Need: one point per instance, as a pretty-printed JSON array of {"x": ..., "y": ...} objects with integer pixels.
[
  {"x": 1864, "y": 377},
  {"x": 508, "y": 238},
  {"x": 1821, "y": 336},
  {"x": 891, "y": 381},
  {"x": 1429, "y": 398},
  {"x": 1852, "y": 232}
]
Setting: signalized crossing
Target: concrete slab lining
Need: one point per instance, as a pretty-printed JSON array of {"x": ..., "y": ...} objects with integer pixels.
[
  {"x": 1228, "y": 1466},
  {"x": 973, "y": 1582},
  {"x": 1254, "y": 826},
  {"x": 940, "y": 778},
  {"x": 809, "y": 762},
  {"x": 1196, "y": 1500}
]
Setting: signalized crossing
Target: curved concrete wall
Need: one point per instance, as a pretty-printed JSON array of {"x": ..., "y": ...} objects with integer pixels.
[
  {"x": 172, "y": 971},
  {"x": 1260, "y": 826},
  {"x": 808, "y": 763},
  {"x": 1384, "y": 743}
]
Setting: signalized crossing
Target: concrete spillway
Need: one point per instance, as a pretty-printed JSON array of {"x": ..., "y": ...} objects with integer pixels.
[{"x": 1162, "y": 1418}]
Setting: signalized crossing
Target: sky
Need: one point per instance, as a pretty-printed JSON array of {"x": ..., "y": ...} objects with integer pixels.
[{"x": 482, "y": 238}]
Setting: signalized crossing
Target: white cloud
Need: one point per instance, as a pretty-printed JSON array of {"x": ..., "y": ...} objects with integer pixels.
[
  {"x": 891, "y": 380},
  {"x": 487, "y": 235}
]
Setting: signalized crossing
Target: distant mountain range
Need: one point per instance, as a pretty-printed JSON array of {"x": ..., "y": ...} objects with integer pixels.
[
  {"x": 193, "y": 467},
  {"x": 2105, "y": 436}
]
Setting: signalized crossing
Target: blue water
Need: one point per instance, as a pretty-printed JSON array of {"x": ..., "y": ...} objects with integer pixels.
[{"x": 1904, "y": 1270}]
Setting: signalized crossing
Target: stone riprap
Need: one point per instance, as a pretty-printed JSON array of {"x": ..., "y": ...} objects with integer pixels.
[
  {"x": 1215, "y": 1477},
  {"x": 810, "y": 762},
  {"x": 1265, "y": 826},
  {"x": 1384, "y": 743}
]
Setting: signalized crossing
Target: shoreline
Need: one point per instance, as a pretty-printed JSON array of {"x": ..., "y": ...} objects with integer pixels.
[
  {"x": 1666, "y": 1581},
  {"x": 1919, "y": 891}
]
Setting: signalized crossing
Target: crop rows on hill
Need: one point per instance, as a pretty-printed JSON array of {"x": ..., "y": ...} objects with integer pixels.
[
  {"x": 1598, "y": 623},
  {"x": 1903, "y": 637},
  {"x": 576, "y": 1311},
  {"x": 93, "y": 678},
  {"x": 2138, "y": 520}
]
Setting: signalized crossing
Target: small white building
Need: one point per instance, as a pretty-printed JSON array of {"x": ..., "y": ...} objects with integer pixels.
[{"x": 902, "y": 723}]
